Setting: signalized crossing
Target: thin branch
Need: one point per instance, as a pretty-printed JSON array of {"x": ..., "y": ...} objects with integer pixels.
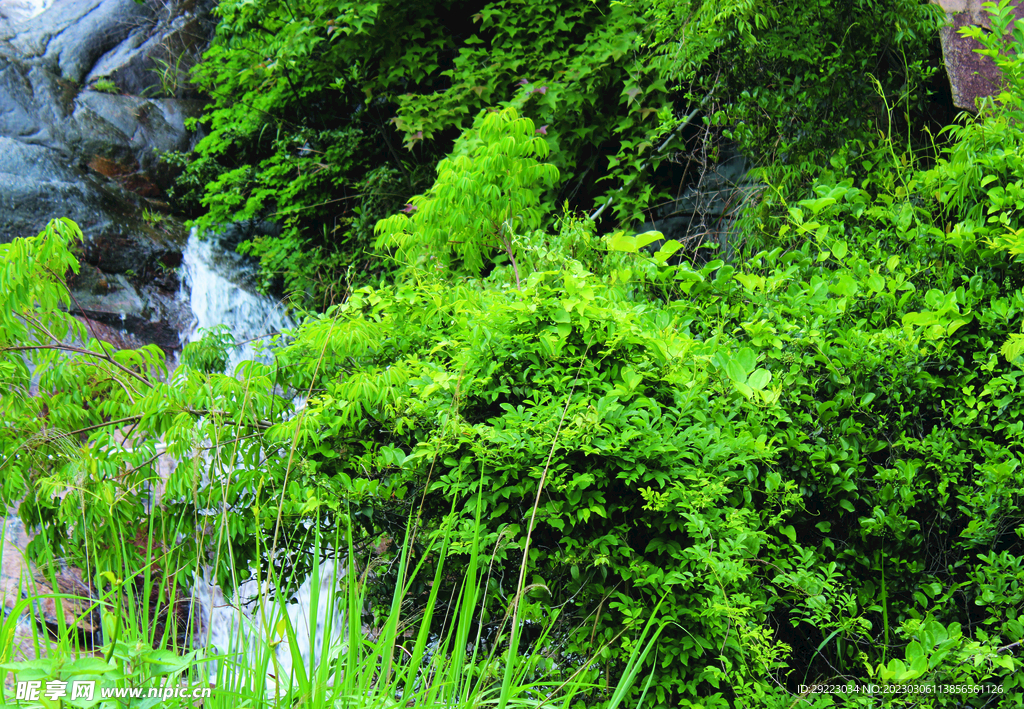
[
  {"x": 597, "y": 213},
  {"x": 77, "y": 350},
  {"x": 115, "y": 422}
]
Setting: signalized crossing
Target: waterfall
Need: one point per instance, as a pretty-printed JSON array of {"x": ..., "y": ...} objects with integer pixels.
[
  {"x": 219, "y": 284},
  {"x": 236, "y": 630},
  {"x": 18, "y": 10}
]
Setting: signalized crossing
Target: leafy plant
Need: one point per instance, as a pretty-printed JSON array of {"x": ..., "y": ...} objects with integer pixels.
[
  {"x": 310, "y": 100},
  {"x": 209, "y": 354},
  {"x": 106, "y": 86},
  {"x": 493, "y": 175},
  {"x": 799, "y": 467},
  {"x": 171, "y": 74}
]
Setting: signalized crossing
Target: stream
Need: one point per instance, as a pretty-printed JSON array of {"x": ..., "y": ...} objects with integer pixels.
[{"x": 217, "y": 284}]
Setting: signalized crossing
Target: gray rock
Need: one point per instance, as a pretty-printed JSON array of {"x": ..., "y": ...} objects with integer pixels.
[
  {"x": 156, "y": 61},
  {"x": 94, "y": 157},
  {"x": 14, "y": 11},
  {"x": 72, "y": 35},
  {"x": 33, "y": 102},
  {"x": 703, "y": 216}
]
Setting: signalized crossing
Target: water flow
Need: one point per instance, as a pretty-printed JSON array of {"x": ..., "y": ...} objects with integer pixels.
[
  {"x": 244, "y": 629},
  {"x": 20, "y": 10},
  {"x": 219, "y": 285}
]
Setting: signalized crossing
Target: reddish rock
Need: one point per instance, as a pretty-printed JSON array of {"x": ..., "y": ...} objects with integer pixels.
[{"x": 971, "y": 76}]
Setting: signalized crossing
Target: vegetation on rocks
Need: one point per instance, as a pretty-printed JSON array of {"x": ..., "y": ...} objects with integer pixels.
[
  {"x": 326, "y": 117},
  {"x": 709, "y": 483}
]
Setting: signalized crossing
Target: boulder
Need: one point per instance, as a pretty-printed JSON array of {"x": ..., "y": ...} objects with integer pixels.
[
  {"x": 156, "y": 61},
  {"x": 70, "y": 37},
  {"x": 971, "y": 76},
  {"x": 703, "y": 216},
  {"x": 95, "y": 156},
  {"x": 33, "y": 102}
]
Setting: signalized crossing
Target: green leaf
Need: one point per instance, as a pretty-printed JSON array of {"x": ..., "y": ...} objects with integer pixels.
[
  {"x": 759, "y": 379},
  {"x": 1013, "y": 347},
  {"x": 620, "y": 241},
  {"x": 649, "y": 237},
  {"x": 746, "y": 359},
  {"x": 666, "y": 251},
  {"x": 735, "y": 371}
]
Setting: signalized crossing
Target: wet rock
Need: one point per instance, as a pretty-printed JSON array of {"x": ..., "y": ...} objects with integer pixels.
[
  {"x": 128, "y": 278},
  {"x": 62, "y": 599},
  {"x": 35, "y": 188},
  {"x": 71, "y": 36},
  {"x": 133, "y": 133},
  {"x": 120, "y": 338},
  {"x": 20, "y": 10},
  {"x": 95, "y": 157},
  {"x": 33, "y": 103},
  {"x": 131, "y": 285},
  {"x": 156, "y": 61},
  {"x": 30, "y": 593},
  {"x": 703, "y": 216}
]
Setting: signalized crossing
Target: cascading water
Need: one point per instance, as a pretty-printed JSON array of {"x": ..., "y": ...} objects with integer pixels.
[
  {"x": 219, "y": 286},
  {"x": 230, "y": 630}
]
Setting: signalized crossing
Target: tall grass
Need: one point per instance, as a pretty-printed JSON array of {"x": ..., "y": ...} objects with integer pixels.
[
  {"x": 408, "y": 657},
  {"x": 411, "y": 655}
]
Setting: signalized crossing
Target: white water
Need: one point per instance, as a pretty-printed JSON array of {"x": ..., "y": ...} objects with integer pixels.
[
  {"x": 219, "y": 286},
  {"x": 19, "y": 10},
  {"x": 241, "y": 630}
]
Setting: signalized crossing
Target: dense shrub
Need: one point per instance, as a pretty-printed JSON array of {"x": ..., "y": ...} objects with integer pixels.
[
  {"x": 803, "y": 466},
  {"x": 326, "y": 117},
  {"x": 811, "y": 456}
]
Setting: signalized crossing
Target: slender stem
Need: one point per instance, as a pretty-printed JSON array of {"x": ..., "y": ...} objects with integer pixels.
[
  {"x": 77, "y": 350},
  {"x": 597, "y": 212}
]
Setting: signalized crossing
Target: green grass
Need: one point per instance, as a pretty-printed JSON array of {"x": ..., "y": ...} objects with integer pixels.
[{"x": 400, "y": 661}]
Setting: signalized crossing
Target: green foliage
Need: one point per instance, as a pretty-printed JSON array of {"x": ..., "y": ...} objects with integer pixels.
[
  {"x": 787, "y": 81},
  {"x": 484, "y": 194},
  {"x": 791, "y": 463},
  {"x": 106, "y": 86},
  {"x": 802, "y": 466},
  {"x": 171, "y": 74},
  {"x": 82, "y": 423},
  {"x": 252, "y": 667},
  {"x": 132, "y": 657},
  {"x": 211, "y": 352},
  {"x": 814, "y": 449},
  {"x": 326, "y": 117}
]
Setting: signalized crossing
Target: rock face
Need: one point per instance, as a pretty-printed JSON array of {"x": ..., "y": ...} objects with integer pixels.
[
  {"x": 703, "y": 218},
  {"x": 971, "y": 76},
  {"x": 91, "y": 93}
]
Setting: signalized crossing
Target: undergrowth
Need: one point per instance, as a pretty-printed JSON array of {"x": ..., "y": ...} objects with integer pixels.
[{"x": 668, "y": 481}]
